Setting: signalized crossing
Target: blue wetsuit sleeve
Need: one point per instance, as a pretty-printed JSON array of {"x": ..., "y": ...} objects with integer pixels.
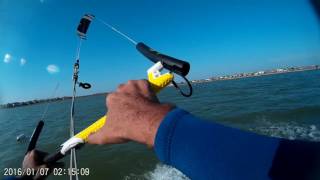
[{"x": 206, "y": 150}]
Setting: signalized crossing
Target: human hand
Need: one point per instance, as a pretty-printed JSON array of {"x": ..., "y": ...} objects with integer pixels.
[
  {"x": 134, "y": 114},
  {"x": 34, "y": 160}
]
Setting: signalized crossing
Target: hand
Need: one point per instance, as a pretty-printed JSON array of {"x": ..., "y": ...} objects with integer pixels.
[
  {"x": 134, "y": 114},
  {"x": 34, "y": 160}
]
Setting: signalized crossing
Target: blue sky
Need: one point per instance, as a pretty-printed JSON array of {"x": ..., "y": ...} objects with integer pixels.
[{"x": 216, "y": 37}]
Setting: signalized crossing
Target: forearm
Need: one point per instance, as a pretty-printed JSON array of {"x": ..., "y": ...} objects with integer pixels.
[{"x": 204, "y": 150}]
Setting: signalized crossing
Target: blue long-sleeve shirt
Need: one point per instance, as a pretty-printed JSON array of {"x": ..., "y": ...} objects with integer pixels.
[{"x": 206, "y": 150}]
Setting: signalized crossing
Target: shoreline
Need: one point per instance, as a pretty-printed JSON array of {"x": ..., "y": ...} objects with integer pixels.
[
  {"x": 244, "y": 77},
  {"x": 212, "y": 79},
  {"x": 42, "y": 101}
]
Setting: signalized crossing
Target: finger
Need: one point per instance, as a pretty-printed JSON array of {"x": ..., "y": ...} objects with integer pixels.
[
  {"x": 40, "y": 154},
  {"x": 101, "y": 137},
  {"x": 143, "y": 84},
  {"x": 96, "y": 138},
  {"x": 146, "y": 90},
  {"x": 140, "y": 87},
  {"x": 126, "y": 88},
  {"x": 132, "y": 86},
  {"x": 30, "y": 156},
  {"x": 120, "y": 87},
  {"x": 132, "y": 82},
  {"x": 110, "y": 98}
]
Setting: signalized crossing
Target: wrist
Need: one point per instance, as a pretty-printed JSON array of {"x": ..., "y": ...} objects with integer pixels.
[
  {"x": 148, "y": 123},
  {"x": 155, "y": 122}
]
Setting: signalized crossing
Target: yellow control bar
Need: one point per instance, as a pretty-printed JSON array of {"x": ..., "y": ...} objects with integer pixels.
[{"x": 157, "y": 84}]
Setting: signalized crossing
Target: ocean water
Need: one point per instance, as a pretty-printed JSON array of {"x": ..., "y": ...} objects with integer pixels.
[{"x": 282, "y": 105}]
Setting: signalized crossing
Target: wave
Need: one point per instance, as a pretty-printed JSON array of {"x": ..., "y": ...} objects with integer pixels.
[
  {"x": 164, "y": 172},
  {"x": 287, "y": 130},
  {"x": 161, "y": 172}
]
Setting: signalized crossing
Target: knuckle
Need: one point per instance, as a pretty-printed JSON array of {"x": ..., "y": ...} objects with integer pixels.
[
  {"x": 32, "y": 153},
  {"x": 121, "y": 86},
  {"x": 107, "y": 98},
  {"x": 133, "y": 85},
  {"x": 144, "y": 84},
  {"x": 132, "y": 82},
  {"x": 110, "y": 97}
]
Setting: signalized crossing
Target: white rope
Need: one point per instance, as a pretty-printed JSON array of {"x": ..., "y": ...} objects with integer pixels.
[
  {"x": 117, "y": 31},
  {"x": 49, "y": 103},
  {"x": 73, "y": 157}
]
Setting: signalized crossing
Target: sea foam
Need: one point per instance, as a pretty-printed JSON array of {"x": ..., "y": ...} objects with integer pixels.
[
  {"x": 160, "y": 172},
  {"x": 164, "y": 172},
  {"x": 289, "y": 130}
]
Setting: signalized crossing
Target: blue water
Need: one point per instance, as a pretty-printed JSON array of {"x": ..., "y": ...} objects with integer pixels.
[{"x": 282, "y": 105}]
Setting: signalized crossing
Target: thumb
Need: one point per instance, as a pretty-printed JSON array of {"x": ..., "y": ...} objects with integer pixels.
[
  {"x": 102, "y": 137},
  {"x": 96, "y": 138}
]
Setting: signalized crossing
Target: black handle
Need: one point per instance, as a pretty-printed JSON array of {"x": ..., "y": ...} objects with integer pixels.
[
  {"x": 52, "y": 158},
  {"x": 172, "y": 64},
  {"x": 35, "y": 136}
]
